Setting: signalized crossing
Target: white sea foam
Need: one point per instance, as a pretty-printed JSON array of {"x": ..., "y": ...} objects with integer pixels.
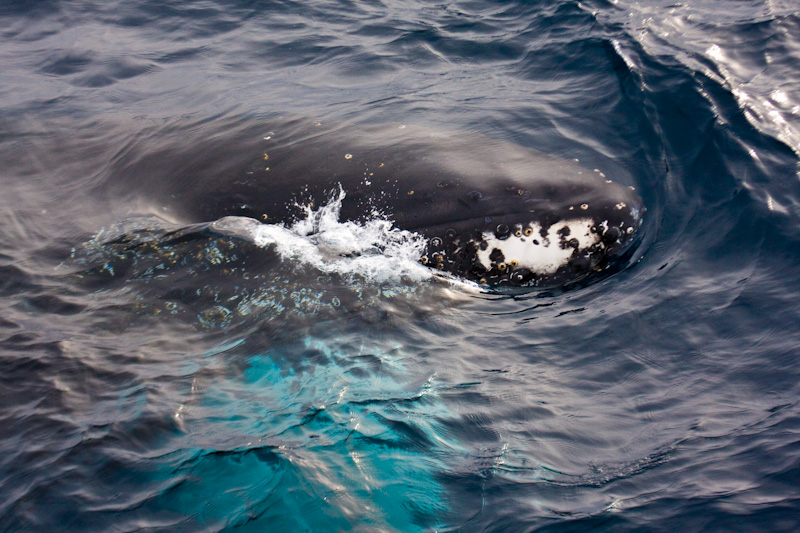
[{"x": 373, "y": 250}]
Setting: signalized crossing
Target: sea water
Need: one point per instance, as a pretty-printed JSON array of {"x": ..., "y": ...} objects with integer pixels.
[{"x": 313, "y": 375}]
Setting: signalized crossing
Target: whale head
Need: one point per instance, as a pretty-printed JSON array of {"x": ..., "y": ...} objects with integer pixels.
[
  {"x": 492, "y": 212},
  {"x": 548, "y": 236}
]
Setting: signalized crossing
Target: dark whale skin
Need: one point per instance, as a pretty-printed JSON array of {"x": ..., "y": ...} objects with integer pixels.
[{"x": 478, "y": 201}]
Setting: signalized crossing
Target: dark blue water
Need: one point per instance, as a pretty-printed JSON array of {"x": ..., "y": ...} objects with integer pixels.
[{"x": 204, "y": 383}]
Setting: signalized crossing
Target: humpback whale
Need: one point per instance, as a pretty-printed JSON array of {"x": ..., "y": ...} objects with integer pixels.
[{"x": 492, "y": 212}]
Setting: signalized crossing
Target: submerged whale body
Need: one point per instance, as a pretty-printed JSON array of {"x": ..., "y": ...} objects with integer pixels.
[{"x": 492, "y": 212}]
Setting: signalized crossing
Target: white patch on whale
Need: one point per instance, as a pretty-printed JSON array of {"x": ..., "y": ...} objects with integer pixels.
[{"x": 541, "y": 255}]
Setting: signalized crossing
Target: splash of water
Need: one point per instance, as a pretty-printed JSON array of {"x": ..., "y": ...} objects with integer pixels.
[{"x": 374, "y": 250}]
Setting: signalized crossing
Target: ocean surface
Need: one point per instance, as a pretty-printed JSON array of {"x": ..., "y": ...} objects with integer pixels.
[{"x": 317, "y": 377}]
